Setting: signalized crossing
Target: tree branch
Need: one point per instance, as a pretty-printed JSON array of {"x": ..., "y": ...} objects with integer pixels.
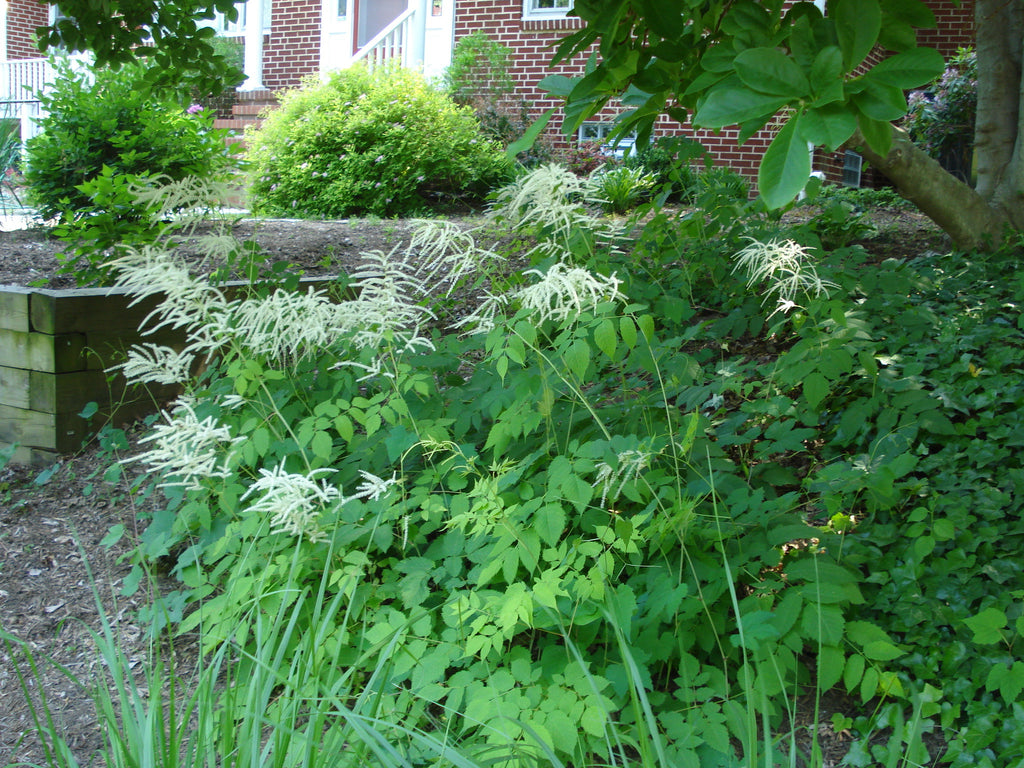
[{"x": 961, "y": 212}]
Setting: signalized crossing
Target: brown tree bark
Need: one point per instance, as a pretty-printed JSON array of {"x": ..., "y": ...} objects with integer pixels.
[
  {"x": 961, "y": 211},
  {"x": 975, "y": 218}
]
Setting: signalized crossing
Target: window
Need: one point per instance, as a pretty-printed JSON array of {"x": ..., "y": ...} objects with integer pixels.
[
  {"x": 600, "y": 132},
  {"x": 237, "y": 28},
  {"x": 546, "y": 9},
  {"x": 852, "y": 163}
]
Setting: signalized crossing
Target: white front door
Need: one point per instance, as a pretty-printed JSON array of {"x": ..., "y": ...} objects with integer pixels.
[{"x": 336, "y": 35}]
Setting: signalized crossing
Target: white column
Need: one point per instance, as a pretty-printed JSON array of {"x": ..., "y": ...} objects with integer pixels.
[
  {"x": 253, "y": 61},
  {"x": 418, "y": 41}
]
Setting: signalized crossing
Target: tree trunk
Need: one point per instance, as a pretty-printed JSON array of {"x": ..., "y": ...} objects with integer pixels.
[
  {"x": 961, "y": 211},
  {"x": 975, "y": 218}
]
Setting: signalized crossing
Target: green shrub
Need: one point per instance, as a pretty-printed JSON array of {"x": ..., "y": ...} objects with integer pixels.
[
  {"x": 721, "y": 181},
  {"x": 104, "y": 133},
  {"x": 104, "y": 119},
  {"x": 668, "y": 159},
  {"x": 941, "y": 118},
  {"x": 384, "y": 143}
]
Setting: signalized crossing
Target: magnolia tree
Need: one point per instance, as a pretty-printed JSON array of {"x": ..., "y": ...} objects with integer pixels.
[
  {"x": 719, "y": 63},
  {"x": 170, "y": 34}
]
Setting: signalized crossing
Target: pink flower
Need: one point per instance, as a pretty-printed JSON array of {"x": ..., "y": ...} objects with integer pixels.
[{"x": 194, "y": 109}]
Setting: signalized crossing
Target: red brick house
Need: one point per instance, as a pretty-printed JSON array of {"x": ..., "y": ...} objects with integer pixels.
[{"x": 286, "y": 40}]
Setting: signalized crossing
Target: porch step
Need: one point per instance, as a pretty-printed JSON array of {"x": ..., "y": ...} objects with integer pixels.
[{"x": 246, "y": 112}]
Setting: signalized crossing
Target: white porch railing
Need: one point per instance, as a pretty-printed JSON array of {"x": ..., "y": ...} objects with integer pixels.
[
  {"x": 401, "y": 41},
  {"x": 20, "y": 82}
]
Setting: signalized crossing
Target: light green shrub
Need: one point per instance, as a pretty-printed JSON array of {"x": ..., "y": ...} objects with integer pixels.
[{"x": 383, "y": 143}]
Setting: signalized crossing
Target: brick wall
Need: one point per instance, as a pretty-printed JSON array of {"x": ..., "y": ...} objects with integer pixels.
[
  {"x": 954, "y": 26},
  {"x": 532, "y": 47},
  {"x": 23, "y": 16},
  {"x": 292, "y": 49}
]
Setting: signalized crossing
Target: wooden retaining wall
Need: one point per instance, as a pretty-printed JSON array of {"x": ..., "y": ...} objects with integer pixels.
[{"x": 55, "y": 347}]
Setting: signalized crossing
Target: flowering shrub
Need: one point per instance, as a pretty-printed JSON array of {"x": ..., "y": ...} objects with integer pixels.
[
  {"x": 384, "y": 143},
  {"x": 941, "y": 118}
]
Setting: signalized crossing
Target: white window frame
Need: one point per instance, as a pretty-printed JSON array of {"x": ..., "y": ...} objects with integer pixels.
[
  {"x": 227, "y": 28},
  {"x": 598, "y": 131},
  {"x": 531, "y": 11},
  {"x": 852, "y": 169}
]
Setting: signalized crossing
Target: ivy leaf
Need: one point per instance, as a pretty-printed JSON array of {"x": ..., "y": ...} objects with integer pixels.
[{"x": 987, "y": 626}]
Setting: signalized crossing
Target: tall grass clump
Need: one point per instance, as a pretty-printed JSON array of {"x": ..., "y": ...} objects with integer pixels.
[{"x": 382, "y": 142}]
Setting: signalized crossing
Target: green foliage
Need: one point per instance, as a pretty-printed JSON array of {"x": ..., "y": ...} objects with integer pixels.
[
  {"x": 619, "y": 521},
  {"x": 864, "y": 198},
  {"x": 668, "y": 159},
  {"x": 838, "y": 223},
  {"x": 102, "y": 136},
  {"x": 622, "y": 188},
  {"x": 941, "y": 117},
  {"x": 383, "y": 143},
  {"x": 479, "y": 70},
  {"x": 479, "y": 78},
  {"x": 722, "y": 64},
  {"x": 180, "y": 52}
]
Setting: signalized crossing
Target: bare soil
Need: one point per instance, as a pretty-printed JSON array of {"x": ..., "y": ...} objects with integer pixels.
[{"x": 53, "y": 560}]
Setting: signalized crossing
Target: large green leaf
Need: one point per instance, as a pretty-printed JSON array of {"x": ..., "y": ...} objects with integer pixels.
[
  {"x": 909, "y": 69},
  {"x": 913, "y": 12},
  {"x": 880, "y": 101},
  {"x": 827, "y": 75},
  {"x": 665, "y": 16},
  {"x": 769, "y": 70},
  {"x": 828, "y": 126},
  {"x": 733, "y": 105},
  {"x": 877, "y": 133},
  {"x": 786, "y": 165},
  {"x": 857, "y": 24}
]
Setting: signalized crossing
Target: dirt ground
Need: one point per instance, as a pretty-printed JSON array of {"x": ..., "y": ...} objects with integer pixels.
[{"x": 53, "y": 559}]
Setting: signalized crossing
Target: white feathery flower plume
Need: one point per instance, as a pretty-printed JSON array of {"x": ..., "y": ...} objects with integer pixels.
[
  {"x": 385, "y": 308},
  {"x": 295, "y": 501},
  {"x": 564, "y": 292},
  {"x": 783, "y": 265},
  {"x": 447, "y": 252},
  {"x": 187, "y": 448},
  {"x": 551, "y": 197},
  {"x": 187, "y": 300},
  {"x": 628, "y": 466},
  {"x": 156, "y": 364},
  {"x": 285, "y": 324}
]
